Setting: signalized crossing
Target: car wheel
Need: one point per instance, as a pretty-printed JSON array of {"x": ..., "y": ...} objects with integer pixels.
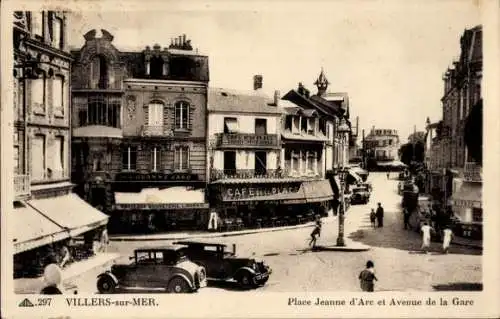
[
  {"x": 106, "y": 285},
  {"x": 247, "y": 281},
  {"x": 178, "y": 286}
]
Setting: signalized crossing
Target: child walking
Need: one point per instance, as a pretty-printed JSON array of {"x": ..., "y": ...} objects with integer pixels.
[
  {"x": 315, "y": 233},
  {"x": 367, "y": 277},
  {"x": 373, "y": 217}
]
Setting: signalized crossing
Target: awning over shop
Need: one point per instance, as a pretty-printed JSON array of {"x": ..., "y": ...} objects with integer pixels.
[
  {"x": 469, "y": 195},
  {"x": 178, "y": 197},
  {"x": 32, "y": 229},
  {"x": 353, "y": 177},
  {"x": 70, "y": 212},
  {"x": 317, "y": 191},
  {"x": 307, "y": 192}
]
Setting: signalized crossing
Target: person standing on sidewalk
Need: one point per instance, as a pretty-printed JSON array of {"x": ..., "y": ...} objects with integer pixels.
[
  {"x": 367, "y": 277},
  {"x": 380, "y": 215},
  {"x": 426, "y": 237},
  {"x": 373, "y": 217},
  {"x": 315, "y": 233},
  {"x": 447, "y": 236}
]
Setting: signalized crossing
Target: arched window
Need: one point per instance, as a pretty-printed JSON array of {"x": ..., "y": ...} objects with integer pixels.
[
  {"x": 181, "y": 115},
  {"x": 99, "y": 72}
]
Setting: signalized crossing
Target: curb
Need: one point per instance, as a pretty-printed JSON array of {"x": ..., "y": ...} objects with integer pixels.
[
  {"x": 346, "y": 248},
  {"x": 211, "y": 235}
]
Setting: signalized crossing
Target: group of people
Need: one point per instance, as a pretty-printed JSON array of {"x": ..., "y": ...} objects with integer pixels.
[
  {"x": 377, "y": 217},
  {"x": 427, "y": 229}
]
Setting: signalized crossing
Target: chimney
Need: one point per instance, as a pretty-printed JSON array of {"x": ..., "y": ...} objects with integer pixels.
[
  {"x": 277, "y": 97},
  {"x": 257, "y": 82},
  {"x": 183, "y": 39},
  {"x": 180, "y": 40}
]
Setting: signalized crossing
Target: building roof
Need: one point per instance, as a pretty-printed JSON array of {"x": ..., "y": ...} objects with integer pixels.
[{"x": 228, "y": 100}]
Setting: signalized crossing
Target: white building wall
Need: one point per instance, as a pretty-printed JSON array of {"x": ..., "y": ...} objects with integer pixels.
[
  {"x": 272, "y": 160},
  {"x": 246, "y": 123}
]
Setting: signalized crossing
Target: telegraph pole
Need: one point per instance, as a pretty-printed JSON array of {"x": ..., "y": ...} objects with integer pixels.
[{"x": 364, "y": 149}]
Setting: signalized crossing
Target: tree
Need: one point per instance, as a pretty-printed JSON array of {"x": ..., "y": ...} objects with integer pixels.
[
  {"x": 410, "y": 152},
  {"x": 473, "y": 132}
]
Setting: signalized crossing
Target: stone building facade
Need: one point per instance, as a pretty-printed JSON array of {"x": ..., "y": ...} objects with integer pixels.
[
  {"x": 46, "y": 212},
  {"x": 139, "y": 124}
]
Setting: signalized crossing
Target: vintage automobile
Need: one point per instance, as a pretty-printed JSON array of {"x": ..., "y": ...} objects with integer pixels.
[
  {"x": 360, "y": 194},
  {"x": 165, "y": 268},
  {"x": 225, "y": 265}
]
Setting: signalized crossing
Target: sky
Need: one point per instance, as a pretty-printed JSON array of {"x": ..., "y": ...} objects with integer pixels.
[{"x": 389, "y": 56}]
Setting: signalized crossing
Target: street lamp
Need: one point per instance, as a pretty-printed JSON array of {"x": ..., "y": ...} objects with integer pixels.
[{"x": 343, "y": 129}]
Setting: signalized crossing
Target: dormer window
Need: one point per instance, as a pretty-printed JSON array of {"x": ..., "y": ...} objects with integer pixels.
[
  {"x": 296, "y": 125},
  {"x": 99, "y": 72},
  {"x": 156, "y": 67}
]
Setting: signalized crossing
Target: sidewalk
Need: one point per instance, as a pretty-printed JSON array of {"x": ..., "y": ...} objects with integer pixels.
[
  {"x": 200, "y": 234},
  {"x": 472, "y": 243},
  {"x": 35, "y": 285}
]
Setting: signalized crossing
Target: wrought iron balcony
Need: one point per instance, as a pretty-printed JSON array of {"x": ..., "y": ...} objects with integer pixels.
[
  {"x": 217, "y": 174},
  {"x": 245, "y": 140},
  {"x": 22, "y": 185},
  {"x": 473, "y": 172},
  {"x": 155, "y": 130}
]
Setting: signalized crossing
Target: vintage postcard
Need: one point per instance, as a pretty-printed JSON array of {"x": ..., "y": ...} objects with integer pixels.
[{"x": 249, "y": 159}]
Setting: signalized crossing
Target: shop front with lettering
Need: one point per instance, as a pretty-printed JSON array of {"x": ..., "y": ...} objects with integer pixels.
[
  {"x": 270, "y": 203},
  {"x": 159, "y": 210}
]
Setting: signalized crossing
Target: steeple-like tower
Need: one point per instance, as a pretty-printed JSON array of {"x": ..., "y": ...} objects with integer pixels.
[{"x": 322, "y": 83}]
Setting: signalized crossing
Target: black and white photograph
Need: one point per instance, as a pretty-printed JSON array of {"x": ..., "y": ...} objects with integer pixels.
[{"x": 299, "y": 149}]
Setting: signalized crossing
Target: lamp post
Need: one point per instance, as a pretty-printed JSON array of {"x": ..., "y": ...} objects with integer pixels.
[{"x": 343, "y": 129}]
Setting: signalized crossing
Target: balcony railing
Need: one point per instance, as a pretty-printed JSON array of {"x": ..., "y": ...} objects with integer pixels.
[
  {"x": 22, "y": 185},
  {"x": 242, "y": 140},
  {"x": 155, "y": 130},
  {"x": 473, "y": 172}
]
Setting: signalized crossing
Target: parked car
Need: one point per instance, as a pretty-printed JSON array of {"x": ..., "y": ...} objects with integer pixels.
[
  {"x": 360, "y": 194},
  {"x": 162, "y": 267},
  {"x": 225, "y": 265}
]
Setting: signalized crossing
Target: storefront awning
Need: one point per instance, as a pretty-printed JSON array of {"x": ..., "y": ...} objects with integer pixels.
[
  {"x": 354, "y": 178},
  {"x": 469, "y": 195},
  {"x": 32, "y": 229},
  {"x": 306, "y": 192},
  {"x": 169, "y": 198},
  {"x": 70, "y": 212},
  {"x": 318, "y": 191}
]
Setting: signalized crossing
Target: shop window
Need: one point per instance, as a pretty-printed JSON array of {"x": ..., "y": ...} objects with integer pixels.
[
  {"x": 38, "y": 155},
  {"x": 181, "y": 158},
  {"x": 477, "y": 214},
  {"x": 38, "y": 95},
  {"x": 181, "y": 115},
  {"x": 230, "y": 125},
  {"x": 57, "y": 33},
  {"x": 129, "y": 158},
  {"x": 58, "y": 95},
  {"x": 260, "y": 126},
  {"x": 155, "y": 159},
  {"x": 260, "y": 162},
  {"x": 229, "y": 162},
  {"x": 155, "y": 114}
]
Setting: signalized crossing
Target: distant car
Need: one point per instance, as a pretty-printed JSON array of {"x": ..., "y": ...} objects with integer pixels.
[
  {"x": 225, "y": 265},
  {"x": 360, "y": 195},
  {"x": 151, "y": 268}
]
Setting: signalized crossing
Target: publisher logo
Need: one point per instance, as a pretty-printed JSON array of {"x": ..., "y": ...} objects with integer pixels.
[{"x": 26, "y": 303}]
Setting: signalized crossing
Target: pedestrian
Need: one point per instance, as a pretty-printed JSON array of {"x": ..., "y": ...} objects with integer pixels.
[
  {"x": 315, "y": 233},
  {"x": 406, "y": 218},
  {"x": 426, "y": 237},
  {"x": 367, "y": 277},
  {"x": 387, "y": 175},
  {"x": 52, "y": 278},
  {"x": 448, "y": 235},
  {"x": 380, "y": 215},
  {"x": 373, "y": 217},
  {"x": 65, "y": 255}
]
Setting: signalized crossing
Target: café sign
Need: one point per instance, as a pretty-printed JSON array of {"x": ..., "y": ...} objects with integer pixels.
[
  {"x": 142, "y": 206},
  {"x": 249, "y": 192}
]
